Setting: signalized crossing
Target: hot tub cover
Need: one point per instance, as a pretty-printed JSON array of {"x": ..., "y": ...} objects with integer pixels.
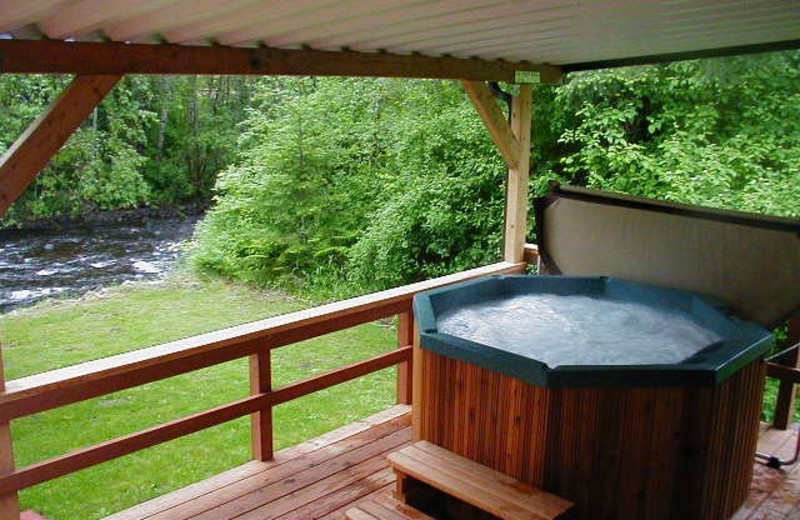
[
  {"x": 749, "y": 261},
  {"x": 742, "y": 342}
]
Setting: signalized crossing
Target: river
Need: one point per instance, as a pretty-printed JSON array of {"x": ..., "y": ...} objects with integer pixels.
[{"x": 35, "y": 265}]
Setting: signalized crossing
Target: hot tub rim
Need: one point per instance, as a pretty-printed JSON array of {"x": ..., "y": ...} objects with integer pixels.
[{"x": 709, "y": 366}]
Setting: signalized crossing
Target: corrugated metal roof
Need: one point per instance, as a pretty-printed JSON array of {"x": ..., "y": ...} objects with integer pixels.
[{"x": 559, "y": 32}]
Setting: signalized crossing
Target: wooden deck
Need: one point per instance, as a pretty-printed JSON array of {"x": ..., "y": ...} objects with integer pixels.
[
  {"x": 320, "y": 478},
  {"x": 774, "y": 494},
  {"x": 325, "y": 476}
]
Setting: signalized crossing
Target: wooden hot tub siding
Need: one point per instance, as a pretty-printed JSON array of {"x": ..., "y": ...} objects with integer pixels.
[{"x": 623, "y": 453}]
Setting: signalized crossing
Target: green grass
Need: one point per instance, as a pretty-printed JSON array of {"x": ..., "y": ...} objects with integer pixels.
[{"x": 63, "y": 333}]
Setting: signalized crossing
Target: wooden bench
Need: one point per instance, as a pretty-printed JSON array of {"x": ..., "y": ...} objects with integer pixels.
[
  {"x": 384, "y": 507},
  {"x": 472, "y": 483}
]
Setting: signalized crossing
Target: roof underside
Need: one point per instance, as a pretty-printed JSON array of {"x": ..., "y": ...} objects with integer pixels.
[{"x": 572, "y": 34}]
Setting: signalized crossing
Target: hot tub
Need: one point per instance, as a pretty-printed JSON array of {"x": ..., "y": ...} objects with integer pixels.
[{"x": 657, "y": 429}]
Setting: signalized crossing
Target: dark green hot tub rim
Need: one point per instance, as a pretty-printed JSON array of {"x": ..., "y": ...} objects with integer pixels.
[{"x": 743, "y": 342}]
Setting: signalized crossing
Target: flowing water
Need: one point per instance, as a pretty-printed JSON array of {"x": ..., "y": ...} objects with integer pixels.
[
  {"x": 35, "y": 265},
  {"x": 579, "y": 330}
]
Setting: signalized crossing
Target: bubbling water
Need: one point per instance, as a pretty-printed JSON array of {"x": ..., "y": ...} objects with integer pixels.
[{"x": 579, "y": 330}]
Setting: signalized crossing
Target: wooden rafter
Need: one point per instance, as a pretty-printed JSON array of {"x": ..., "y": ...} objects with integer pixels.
[
  {"x": 31, "y": 152},
  {"x": 42, "y": 56}
]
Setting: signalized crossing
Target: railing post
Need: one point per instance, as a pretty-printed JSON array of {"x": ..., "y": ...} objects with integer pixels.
[
  {"x": 261, "y": 422},
  {"x": 9, "y": 504},
  {"x": 784, "y": 406},
  {"x": 405, "y": 337}
]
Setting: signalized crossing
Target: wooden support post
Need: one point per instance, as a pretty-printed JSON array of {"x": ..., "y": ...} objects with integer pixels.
[
  {"x": 9, "y": 504},
  {"x": 31, "y": 152},
  {"x": 517, "y": 189},
  {"x": 405, "y": 337},
  {"x": 787, "y": 392},
  {"x": 261, "y": 421},
  {"x": 514, "y": 143}
]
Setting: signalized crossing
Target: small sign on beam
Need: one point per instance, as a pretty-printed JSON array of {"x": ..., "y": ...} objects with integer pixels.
[{"x": 527, "y": 77}]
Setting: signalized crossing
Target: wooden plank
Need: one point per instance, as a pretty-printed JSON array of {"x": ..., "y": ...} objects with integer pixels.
[
  {"x": 340, "y": 375},
  {"x": 41, "y": 56},
  {"x": 358, "y": 514},
  {"x": 486, "y": 105},
  {"x": 499, "y": 484},
  {"x": 517, "y": 185},
  {"x": 315, "y": 481},
  {"x": 56, "y": 388},
  {"x": 188, "y": 493},
  {"x": 785, "y": 403},
  {"x": 460, "y": 488},
  {"x": 405, "y": 337},
  {"x": 261, "y": 422},
  {"x": 388, "y": 502},
  {"x": 331, "y": 484},
  {"x": 394, "y": 510},
  {"x": 31, "y": 152},
  {"x": 321, "y": 506},
  {"x": 9, "y": 500},
  {"x": 339, "y": 513},
  {"x": 195, "y": 504}
]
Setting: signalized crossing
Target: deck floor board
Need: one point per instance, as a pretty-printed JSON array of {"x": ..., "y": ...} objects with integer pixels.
[{"x": 322, "y": 478}]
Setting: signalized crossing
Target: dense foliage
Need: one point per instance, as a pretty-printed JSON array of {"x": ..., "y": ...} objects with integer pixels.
[
  {"x": 358, "y": 184},
  {"x": 380, "y": 182},
  {"x": 154, "y": 140},
  {"x": 722, "y": 132},
  {"x": 369, "y": 181}
]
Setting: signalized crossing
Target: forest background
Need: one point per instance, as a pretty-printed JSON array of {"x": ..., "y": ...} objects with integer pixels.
[{"x": 331, "y": 187}]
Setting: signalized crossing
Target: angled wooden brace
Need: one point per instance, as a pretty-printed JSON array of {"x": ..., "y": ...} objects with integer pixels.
[
  {"x": 31, "y": 152},
  {"x": 514, "y": 142}
]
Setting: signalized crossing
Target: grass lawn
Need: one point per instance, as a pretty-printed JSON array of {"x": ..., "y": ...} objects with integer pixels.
[{"x": 58, "y": 334}]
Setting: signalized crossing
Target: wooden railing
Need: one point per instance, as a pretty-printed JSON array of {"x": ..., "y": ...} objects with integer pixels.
[{"x": 41, "y": 392}]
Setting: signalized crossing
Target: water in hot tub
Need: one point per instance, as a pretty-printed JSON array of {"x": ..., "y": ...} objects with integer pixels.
[{"x": 579, "y": 330}]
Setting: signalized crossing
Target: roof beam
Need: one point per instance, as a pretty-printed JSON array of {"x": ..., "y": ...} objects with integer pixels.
[
  {"x": 688, "y": 55},
  {"x": 31, "y": 152},
  {"x": 41, "y": 56}
]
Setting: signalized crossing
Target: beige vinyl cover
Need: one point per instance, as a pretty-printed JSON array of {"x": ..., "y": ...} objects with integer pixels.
[{"x": 749, "y": 262}]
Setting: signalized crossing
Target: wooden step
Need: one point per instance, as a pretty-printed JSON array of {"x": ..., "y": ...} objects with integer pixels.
[
  {"x": 473, "y": 483},
  {"x": 384, "y": 507}
]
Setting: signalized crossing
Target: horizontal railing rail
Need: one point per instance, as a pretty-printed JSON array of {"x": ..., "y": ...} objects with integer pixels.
[
  {"x": 784, "y": 373},
  {"x": 49, "y": 390}
]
